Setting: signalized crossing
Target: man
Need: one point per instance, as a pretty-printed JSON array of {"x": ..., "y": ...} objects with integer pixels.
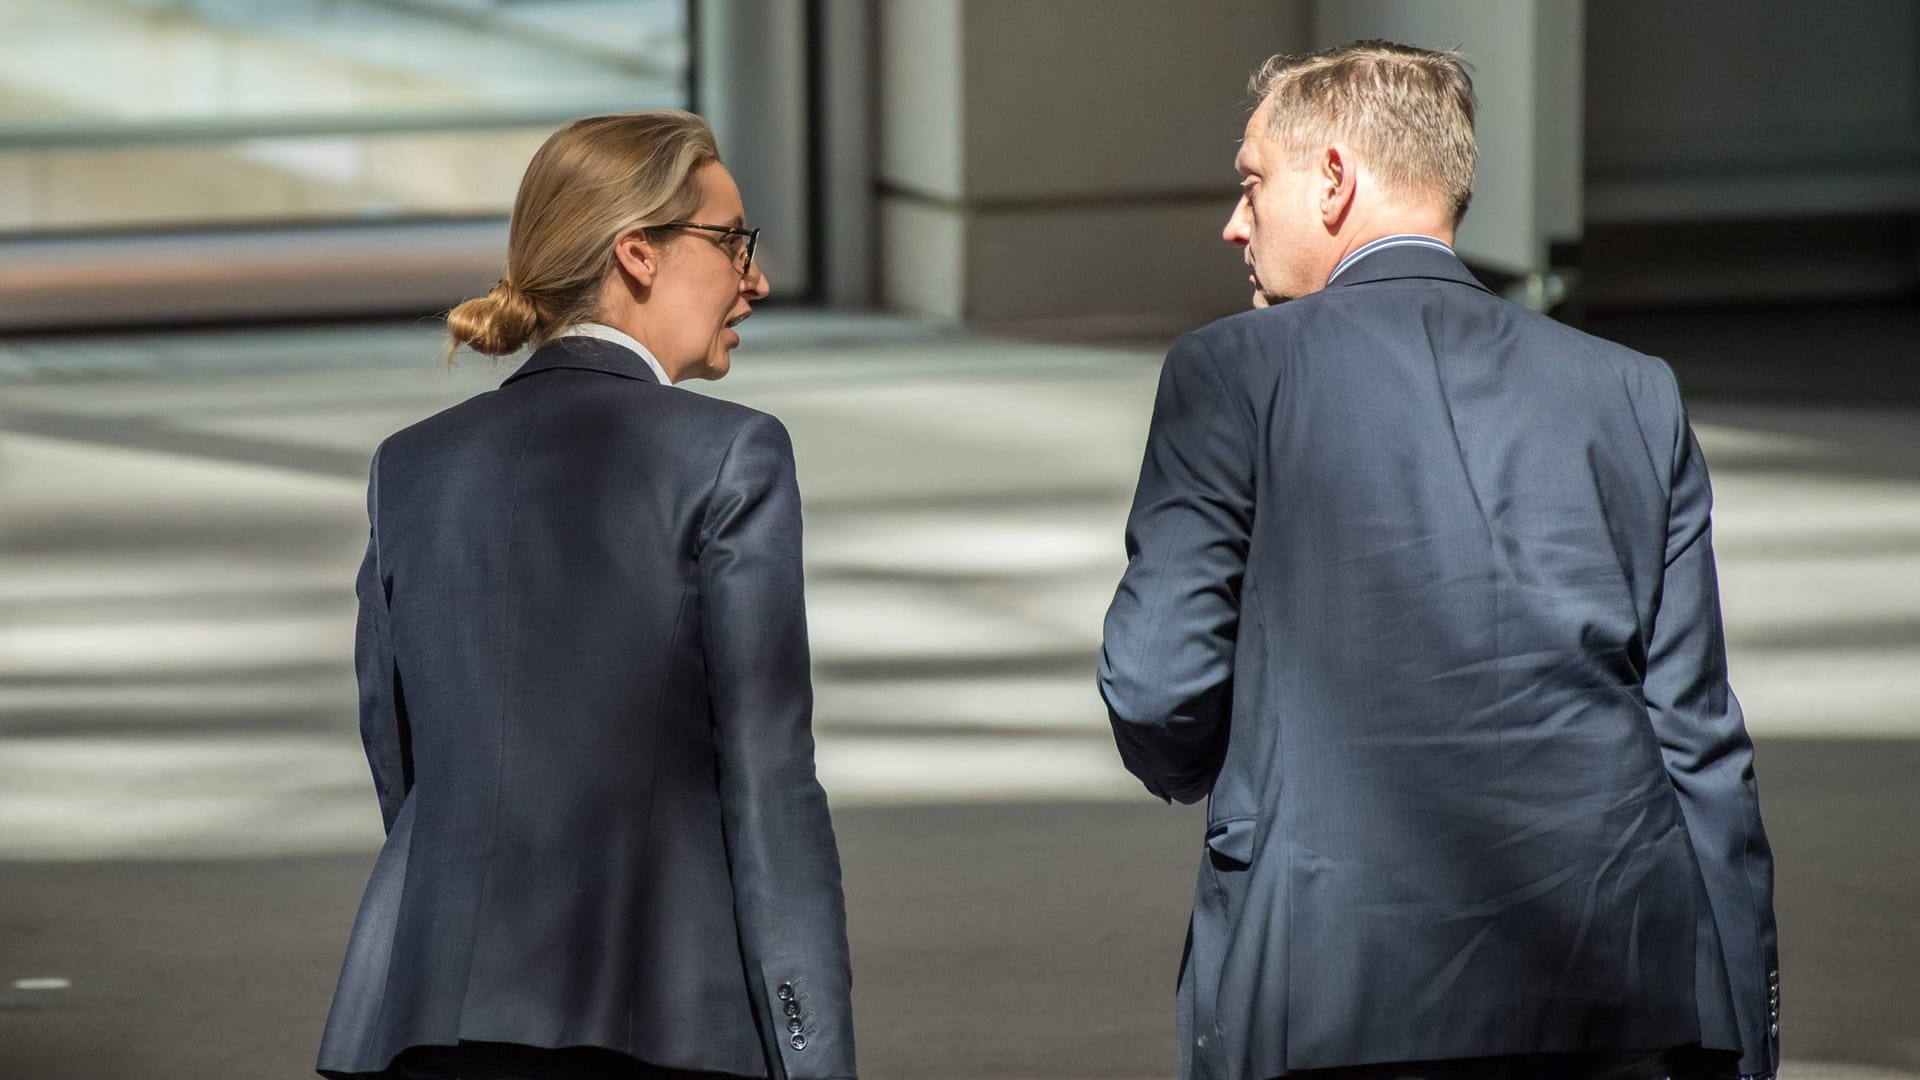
[{"x": 1420, "y": 596}]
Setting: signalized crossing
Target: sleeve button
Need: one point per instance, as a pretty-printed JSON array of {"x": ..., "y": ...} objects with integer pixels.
[
  {"x": 793, "y": 1009},
  {"x": 793, "y": 1027},
  {"x": 798, "y": 1042},
  {"x": 785, "y": 992}
]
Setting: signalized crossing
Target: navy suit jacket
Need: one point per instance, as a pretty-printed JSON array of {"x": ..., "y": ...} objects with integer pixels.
[
  {"x": 585, "y": 696},
  {"x": 1420, "y": 597}
]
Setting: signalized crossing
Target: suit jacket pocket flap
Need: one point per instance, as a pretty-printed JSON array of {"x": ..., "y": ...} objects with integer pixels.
[{"x": 1231, "y": 841}]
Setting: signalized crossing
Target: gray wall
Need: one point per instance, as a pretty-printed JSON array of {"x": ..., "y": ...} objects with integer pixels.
[
  {"x": 1744, "y": 150},
  {"x": 1752, "y": 108},
  {"x": 1066, "y": 164}
]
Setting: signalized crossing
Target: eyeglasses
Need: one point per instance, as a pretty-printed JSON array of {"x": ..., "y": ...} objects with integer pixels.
[{"x": 742, "y": 253}]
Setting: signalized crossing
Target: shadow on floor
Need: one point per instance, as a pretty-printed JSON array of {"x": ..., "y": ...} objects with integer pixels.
[{"x": 992, "y": 941}]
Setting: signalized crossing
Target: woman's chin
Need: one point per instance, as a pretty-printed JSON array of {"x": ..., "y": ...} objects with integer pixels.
[
  {"x": 715, "y": 366},
  {"x": 720, "y": 355}
]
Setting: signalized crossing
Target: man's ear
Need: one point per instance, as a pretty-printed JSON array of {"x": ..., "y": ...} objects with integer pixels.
[
  {"x": 1339, "y": 176},
  {"x": 637, "y": 257}
]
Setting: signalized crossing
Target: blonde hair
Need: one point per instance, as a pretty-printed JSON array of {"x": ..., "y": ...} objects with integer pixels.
[
  {"x": 590, "y": 182},
  {"x": 1409, "y": 111}
]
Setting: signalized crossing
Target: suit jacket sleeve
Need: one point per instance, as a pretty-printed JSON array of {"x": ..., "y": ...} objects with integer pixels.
[
  {"x": 780, "y": 845},
  {"x": 1709, "y": 758},
  {"x": 1166, "y": 660},
  {"x": 383, "y": 714}
]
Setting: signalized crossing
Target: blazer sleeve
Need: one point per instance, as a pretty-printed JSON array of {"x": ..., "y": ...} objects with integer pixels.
[
  {"x": 383, "y": 713},
  {"x": 1709, "y": 758},
  {"x": 780, "y": 845},
  {"x": 1166, "y": 658}
]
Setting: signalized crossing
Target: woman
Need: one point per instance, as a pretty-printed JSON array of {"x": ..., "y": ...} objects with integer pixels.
[{"x": 583, "y": 668}]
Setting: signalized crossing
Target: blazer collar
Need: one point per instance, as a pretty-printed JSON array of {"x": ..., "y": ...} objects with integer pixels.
[
  {"x": 1406, "y": 261},
  {"x": 586, "y": 354}
]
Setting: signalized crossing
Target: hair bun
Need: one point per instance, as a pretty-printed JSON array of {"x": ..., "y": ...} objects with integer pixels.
[{"x": 495, "y": 324}]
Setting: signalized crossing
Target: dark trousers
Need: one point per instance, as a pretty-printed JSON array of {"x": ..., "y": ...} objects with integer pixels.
[
  {"x": 509, "y": 1061},
  {"x": 1685, "y": 1064}
]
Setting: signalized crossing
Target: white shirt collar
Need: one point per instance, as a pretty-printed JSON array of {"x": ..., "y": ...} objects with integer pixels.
[
  {"x": 1396, "y": 240},
  {"x": 618, "y": 337}
]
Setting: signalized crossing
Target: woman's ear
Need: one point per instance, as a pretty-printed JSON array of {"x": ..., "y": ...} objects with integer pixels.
[{"x": 637, "y": 257}]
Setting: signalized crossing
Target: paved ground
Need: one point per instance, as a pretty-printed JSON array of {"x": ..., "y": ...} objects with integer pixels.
[{"x": 185, "y": 821}]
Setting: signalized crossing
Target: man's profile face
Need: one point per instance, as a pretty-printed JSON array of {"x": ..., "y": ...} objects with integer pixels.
[{"x": 1275, "y": 223}]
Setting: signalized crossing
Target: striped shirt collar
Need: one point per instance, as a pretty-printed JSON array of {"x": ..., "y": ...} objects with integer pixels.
[
  {"x": 1396, "y": 240},
  {"x": 619, "y": 337}
]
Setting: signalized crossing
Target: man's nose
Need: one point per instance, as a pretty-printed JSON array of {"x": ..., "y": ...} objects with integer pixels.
[{"x": 1237, "y": 232}]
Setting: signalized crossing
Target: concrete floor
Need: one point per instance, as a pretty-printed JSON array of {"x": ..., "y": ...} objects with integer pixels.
[{"x": 185, "y": 819}]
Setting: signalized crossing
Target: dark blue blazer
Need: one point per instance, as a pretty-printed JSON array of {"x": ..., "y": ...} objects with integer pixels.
[
  {"x": 1420, "y": 597},
  {"x": 585, "y": 695}
]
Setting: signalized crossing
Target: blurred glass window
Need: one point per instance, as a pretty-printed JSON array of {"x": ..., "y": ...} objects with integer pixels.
[{"x": 176, "y": 114}]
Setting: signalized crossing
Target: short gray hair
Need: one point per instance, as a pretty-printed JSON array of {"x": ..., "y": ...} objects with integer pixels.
[{"x": 1409, "y": 111}]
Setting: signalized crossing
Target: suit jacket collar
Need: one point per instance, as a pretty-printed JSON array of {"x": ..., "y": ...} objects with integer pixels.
[
  {"x": 586, "y": 354},
  {"x": 1407, "y": 261}
]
